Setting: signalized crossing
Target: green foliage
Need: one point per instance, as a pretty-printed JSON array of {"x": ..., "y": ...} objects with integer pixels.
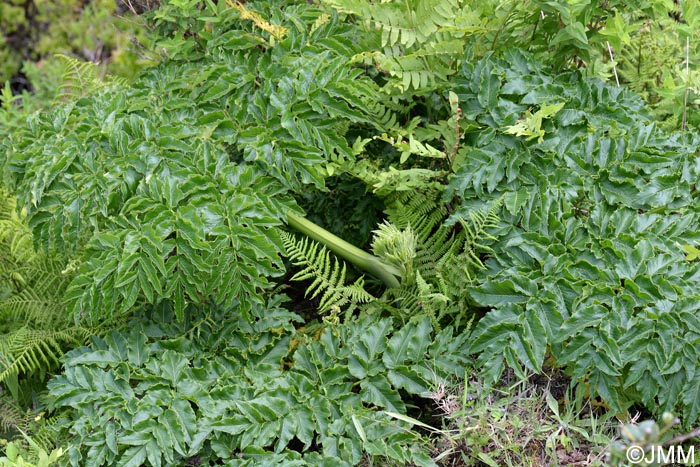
[
  {"x": 442, "y": 257},
  {"x": 14, "y": 455},
  {"x": 521, "y": 423},
  {"x": 659, "y": 60},
  {"x": 34, "y": 330},
  {"x": 328, "y": 277},
  {"x": 182, "y": 179},
  {"x": 252, "y": 390},
  {"x": 550, "y": 205},
  {"x": 692, "y": 253},
  {"x": 417, "y": 43},
  {"x": 531, "y": 124},
  {"x": 13, "y": 111},
  {"x": 650, "y": 46},
  {"x": 590, "y": 268},
  {"x": 34, "y": 30},
  {"x": 435, "y": 263},
  {"x": 32, "y": 319},
  {"x": 10, "y": 12},
  {"x": 567, "y": 33},
  {"x": 81, "y": 78}
]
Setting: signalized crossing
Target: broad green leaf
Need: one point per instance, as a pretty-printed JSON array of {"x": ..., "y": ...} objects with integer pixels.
[
  {"x": 377, "y": 391},
  {"x": 101, "y": 358},
  {"x": 408, "y": 344},
  {"x": 572, "y": 34},
  {"x": 133, "y": 457},
  {"x": 137, "y": 351},
  {"x": 497, "y": 293},
  {"x": 172, "y": 366},
  {"x": 153, "y": 453}
]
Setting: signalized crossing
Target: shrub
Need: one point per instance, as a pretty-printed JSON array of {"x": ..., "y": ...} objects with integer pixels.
[{"x": 248, "y": 388}]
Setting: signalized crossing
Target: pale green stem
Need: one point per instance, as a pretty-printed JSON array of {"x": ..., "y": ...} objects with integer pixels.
[{"x": 387, "y": 273}]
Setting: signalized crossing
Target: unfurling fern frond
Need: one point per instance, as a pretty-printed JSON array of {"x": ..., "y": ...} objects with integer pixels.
[
  {"x": 424, "y": 215},
  {"x": 397, "y": 247},
  {"x": 444, "y": 258},
  {"x": 327, "y": 274}
]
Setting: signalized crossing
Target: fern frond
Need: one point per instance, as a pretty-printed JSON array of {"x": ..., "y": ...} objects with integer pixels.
[
  {"x": 418, "y": 210},
  {"x": 44, "y": 432},
  {"x": 423, "y": 216},
  {"x": 397, "y": 247},
  {"x": 444, "y": 257},
  {"x": 38, "y": 299},
  {"x": 443, "y": 244},
  {"x": 454, "y": 271},
  {"x": 28, "y": 427},
  {"x": 326, "y": 273},
  {"x": 476, "y": 229},
  {"x": 34, "y": 330},
  {"x": 11, "y": 415},
  {"x": 405, "y": 23},
  {"x": 420, "y": 42},
  {"x": 422, "y": 68},
  {"x": 82, "y": 78},
  {"x": 14, "y": 234},
  {"x": 419, "y": 300},
  {"x": 27, "y": 350}
]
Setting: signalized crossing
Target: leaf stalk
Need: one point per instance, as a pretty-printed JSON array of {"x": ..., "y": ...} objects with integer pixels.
[{"x": 388, "y": 274}]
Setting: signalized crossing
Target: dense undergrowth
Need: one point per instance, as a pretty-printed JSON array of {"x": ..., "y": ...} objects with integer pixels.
[{"x": 512, "y": 256}]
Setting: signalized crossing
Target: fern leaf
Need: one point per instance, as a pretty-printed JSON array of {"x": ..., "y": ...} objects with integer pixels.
[
  {"x": 27, "y": 350},
  {"x": 454, "y": 271},
  {"x": 34, "y": 331},
  {"x": 444, "y": 255},
  {"x": 11, "y": 415},
  {"x": 404, "y": 23},
  {"x": 82, "y": 78},
  {"x": 327, "y": 275},
  {"x": 397, "y": 247},
  {"x": 421, "y": 40}
]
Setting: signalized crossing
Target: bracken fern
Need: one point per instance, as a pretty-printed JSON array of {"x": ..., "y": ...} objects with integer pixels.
[{"x": 326, "y": 273}]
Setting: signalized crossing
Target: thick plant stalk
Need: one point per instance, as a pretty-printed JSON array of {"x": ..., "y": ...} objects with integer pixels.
[{"x": 387, "y": 273}]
